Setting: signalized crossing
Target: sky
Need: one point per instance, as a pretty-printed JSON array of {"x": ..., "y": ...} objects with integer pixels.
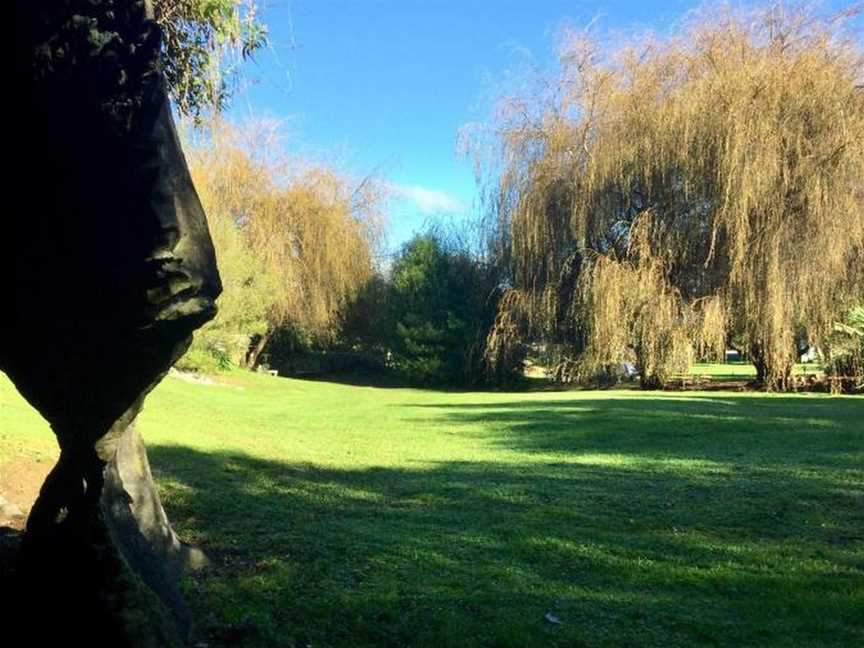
[{"x": 383, "y": 86}]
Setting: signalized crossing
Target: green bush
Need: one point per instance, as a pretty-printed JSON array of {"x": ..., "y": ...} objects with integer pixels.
[
  {"x": 211, "y": 352},
  {"x": 198, "y": 360},
  {"x": 845, "y": 359},
  {"x": 441, "y": 307}
]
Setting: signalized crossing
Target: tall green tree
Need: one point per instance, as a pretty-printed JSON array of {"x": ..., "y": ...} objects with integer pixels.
[{"x": 442, "y": 304}]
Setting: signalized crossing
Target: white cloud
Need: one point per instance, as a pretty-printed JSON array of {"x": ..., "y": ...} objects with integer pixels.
[{"x": 428, "y": 201}]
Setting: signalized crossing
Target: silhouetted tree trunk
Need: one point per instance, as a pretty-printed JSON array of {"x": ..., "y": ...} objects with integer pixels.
[
  {"x": 782, "y": 381},
  {"x": 256, "y": 349}
]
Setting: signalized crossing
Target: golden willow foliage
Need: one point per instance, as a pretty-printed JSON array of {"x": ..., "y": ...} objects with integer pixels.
[
  {"x": 709, "y": 326},
  {"x": 503, "y": 350},
  {"x": 307, "y": 233},
  {"x": 628, "y": 307},
  {"x": 744, "y": 138}
]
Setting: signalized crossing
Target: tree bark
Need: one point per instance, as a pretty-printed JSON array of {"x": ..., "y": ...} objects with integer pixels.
[
  {"x": 757, "y": 357},
  {"x": 768, "y": 376},
  {"x": 257, "y": 349}
]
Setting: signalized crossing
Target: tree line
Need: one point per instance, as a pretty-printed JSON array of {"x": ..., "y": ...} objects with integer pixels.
[{"x": 654, "y": 204}]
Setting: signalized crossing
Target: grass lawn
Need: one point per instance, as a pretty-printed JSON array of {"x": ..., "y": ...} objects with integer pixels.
[
  {"x": 744, "y": 371},
  {"x": 357, "y": 516}
]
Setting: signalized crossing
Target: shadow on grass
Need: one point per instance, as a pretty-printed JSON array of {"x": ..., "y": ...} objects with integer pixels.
[
  {"x": 748, "y": 429},
  {"x": 643, "y": 531}
]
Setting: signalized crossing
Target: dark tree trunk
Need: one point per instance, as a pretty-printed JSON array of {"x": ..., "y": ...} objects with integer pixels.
[
  {"x": 650, "y": 382},
  {"x": 256, "y": 349},
  {"x": 767, "y": 376},
  {"x": 757, "y": 357}
]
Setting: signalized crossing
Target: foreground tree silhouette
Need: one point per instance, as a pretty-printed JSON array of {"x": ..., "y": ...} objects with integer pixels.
[
  {"x": 735, "y": 149},
  {"x": 112, "y": 270}
]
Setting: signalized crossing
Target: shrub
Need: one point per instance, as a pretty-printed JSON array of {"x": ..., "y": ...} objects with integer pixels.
[
  {"x": 845, "y": 362},
  {"x": 442, "y": 303}
]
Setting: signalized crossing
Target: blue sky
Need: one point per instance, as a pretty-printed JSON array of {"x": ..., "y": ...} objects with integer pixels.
[{"x": 383, "y": 86}]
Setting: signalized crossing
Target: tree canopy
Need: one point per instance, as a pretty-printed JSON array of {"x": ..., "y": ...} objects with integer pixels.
[
  {"x": 688, "y": 187},
  {"x": 294, "y": 240},
  {"x": 442, "y": 300},
  {"x": 204, "y": 43}
]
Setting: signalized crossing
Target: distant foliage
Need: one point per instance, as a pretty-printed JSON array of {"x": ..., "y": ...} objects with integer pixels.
[
  {"x": 845, "y": 353},
  {"x": 366, "y": 323},
  {"x": 442, "y": 302}
]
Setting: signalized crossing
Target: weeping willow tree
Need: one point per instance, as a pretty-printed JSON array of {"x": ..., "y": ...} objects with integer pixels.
[
  {"x": 743, "y": 138},
  {"x": 651, "y": 321},
  {"x": 294, "y": 241}
]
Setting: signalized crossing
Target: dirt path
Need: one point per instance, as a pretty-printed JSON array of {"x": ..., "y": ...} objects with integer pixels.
[{"x": 20, "y": 480}]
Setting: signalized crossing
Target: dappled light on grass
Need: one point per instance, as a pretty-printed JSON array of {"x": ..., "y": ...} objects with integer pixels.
[
  {"x": 339, "y": 515},
  {"x": 409, "y": 517},
  {"x": 489, "y": 543}
]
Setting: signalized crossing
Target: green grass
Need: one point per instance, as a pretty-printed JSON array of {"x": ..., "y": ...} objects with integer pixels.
[
  {"x": 357, "y": 516},
  {"x": 24, "y": 434},
  {"x": 744, "y": 371}
]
